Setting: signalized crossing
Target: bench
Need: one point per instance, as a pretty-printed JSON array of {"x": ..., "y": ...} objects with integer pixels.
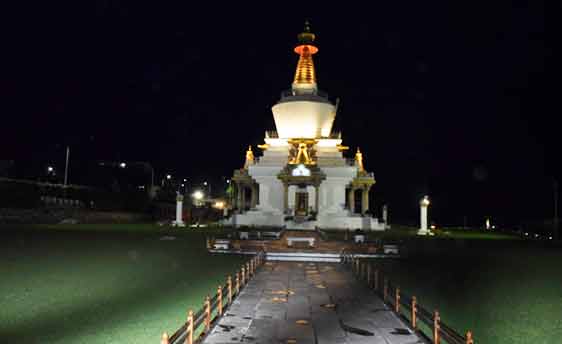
[
  {"x": 271, "y": 235},
  {"x": 291, "y": 240},
  {"x": 221, "y": 244},
  {"x": 388, "y": 249},
  {"x": 359, "y": 238}
]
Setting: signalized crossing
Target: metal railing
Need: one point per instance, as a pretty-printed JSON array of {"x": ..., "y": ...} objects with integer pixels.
[
  {"x": 404, "y": 305},
  {"x": 199, "y": 324},
  {"x": 292, "y": 93}
]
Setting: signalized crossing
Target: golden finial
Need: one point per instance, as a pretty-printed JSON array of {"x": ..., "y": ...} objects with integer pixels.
[
  {"x": 249, "y": 157},
  {"x": 305, "y": 75},
  {"x": 359, "y": 160},
  {"x": 306, "y": 37}
]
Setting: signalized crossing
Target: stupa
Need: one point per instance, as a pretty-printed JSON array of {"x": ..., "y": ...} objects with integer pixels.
[{"x": 302, "y": 180}]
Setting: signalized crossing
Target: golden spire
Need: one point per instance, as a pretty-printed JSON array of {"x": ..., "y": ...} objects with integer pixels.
[
  {"x": 249, "y": 157},
  {"x": 359, "y": 160},
  {"x": 305, "y": 76}
]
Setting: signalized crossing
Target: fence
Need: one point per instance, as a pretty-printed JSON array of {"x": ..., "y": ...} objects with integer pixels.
[
  {"x": 199, "y": 324},
  {"x": 405, "y": 306}
]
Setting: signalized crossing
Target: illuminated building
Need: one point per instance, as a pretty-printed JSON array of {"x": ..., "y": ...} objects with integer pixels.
[{"x": 303, "y": 181}]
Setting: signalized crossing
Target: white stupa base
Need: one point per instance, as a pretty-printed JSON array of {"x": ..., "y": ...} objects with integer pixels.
[
  {"x": 422, "y": 231},
  {"x": 350, "y": 222},
  {"x": 178, "y": 224},
  {"x": 258, "y": 218}
]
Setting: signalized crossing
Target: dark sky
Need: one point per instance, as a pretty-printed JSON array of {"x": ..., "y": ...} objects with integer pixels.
[{"x": 454, "y": 100}]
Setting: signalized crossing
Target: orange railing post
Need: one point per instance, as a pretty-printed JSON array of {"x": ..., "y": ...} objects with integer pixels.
[
  {"x": 385, "y": 290},
  {"x": 207, "y": 314},
  {"x": 237, "y": 282},
  {"x": 248, "y": 272},
  {"x": 219, "y": 304},
  {"x": 436, "y": 327},
  {"x": 243, "y": 276},
  {"x": 397, "y": 300},
  {"x": 190, "y": 330},
  {"x": 469, "y": 339},
  {"x": 165, "y": 339},
  {"x": 362, "y": 269},
  {"x": 414, "y": 311},
  {"x": 229, "y": 284}
]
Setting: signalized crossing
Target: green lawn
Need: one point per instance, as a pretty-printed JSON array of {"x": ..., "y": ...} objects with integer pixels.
[
  {"x": 398, "y": 232},
  {"x": 504, "y": 291},
  {"x": 103, "y": 284},
  {"x": 122, "y": 284}
]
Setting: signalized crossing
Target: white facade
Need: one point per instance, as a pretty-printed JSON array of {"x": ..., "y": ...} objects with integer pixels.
[{"x": 332, "y": 211}]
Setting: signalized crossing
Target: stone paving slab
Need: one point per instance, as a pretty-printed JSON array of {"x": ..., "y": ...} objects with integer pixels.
[{"x": 316, "y": 303}]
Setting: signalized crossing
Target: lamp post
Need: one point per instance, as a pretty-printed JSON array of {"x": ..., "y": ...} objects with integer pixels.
[
  {"x": 66, "y": 166},
  {"x": 555, "y": 220},
  {"x": 424, "y": 204},
  {"x": 208, "y": 185},
  {"x": 198, "y": 197},
  {"x": 50, "y": 173}
]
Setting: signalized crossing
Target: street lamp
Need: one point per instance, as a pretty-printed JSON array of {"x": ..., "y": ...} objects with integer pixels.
[
  {"x": 208, "y": 185},
  {"x": 50, "y": 169},
  {"x": 168, "y": 176},
  {"x": 198, "y": 195},
  {"x": 122, "y": 165}
]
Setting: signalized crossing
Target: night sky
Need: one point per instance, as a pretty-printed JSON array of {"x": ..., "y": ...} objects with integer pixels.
[{"x": 453, "y": 100}]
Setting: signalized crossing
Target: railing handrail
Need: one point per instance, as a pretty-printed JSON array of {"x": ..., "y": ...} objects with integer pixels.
[
  {"x": 393, "y": 296},
  {"x": 219, "y": 302}
]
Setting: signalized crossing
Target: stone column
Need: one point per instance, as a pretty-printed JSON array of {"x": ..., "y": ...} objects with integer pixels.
[
  {"x": 424, "y": 203},
  {"x": 239, "y": 197},
  {"x": 365, "y": 200},
  {"x": 243, "y": 198},
  {"x": 352, "y": 200},
  {"x": 317, "y": 198},
  {"x": 254, "y": 199},
  {"x": 179, "y": 212},
  {"x": 285, "y": 197}
]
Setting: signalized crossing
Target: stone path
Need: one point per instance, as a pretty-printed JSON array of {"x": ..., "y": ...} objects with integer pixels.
[{"x": 307, "y": 303}]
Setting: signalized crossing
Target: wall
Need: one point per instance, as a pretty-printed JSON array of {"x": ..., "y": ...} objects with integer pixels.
[{"x": 56, "y": 215}]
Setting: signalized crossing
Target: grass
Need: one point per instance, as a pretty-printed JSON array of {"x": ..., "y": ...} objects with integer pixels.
[
  {"x": 103, "y": 284},
  {"x": 398, "y": 232},
  {"x": 504, "y": 291},
  {"x": 122, "y": 284}
]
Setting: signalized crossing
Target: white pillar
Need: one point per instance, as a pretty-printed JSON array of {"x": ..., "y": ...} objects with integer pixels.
[
  {"x": 385, "y": 214},
  {"x": 424, "y": 204},
  {"x": 179, "y": 212}
]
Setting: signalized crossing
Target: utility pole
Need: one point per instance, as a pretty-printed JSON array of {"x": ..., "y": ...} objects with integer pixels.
[
  {"x": 66, "y": 166},
  {"x": 555, "y": 222}
]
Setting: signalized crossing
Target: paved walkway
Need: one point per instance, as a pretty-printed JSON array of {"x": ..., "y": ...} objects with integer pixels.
[{"x": 298, "y": 303}]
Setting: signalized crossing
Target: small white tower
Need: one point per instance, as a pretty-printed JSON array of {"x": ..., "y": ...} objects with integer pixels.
[{"x": 424, "y": 204}]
